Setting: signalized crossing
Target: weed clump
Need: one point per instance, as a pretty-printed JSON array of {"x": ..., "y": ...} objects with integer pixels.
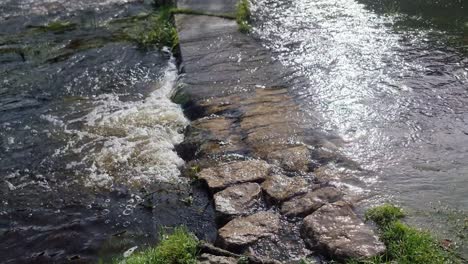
[
  {"x": 243, "y": 16},
  {"x": 156, "y": 30},
  {"x": 405, "y": 244},
  {"x": 384, "y": 214},
  {"x": 179, "y": 247}
]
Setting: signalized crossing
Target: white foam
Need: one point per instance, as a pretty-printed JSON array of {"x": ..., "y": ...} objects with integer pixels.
[{"x": 131, "y": 141}]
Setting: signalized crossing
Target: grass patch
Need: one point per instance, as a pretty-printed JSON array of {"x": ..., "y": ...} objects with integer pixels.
[
  {"x": 179, "y": 247},
  {"x": 200, "y": 13},
  {"x": 243, "y": 16},
  {"x": 405, "y": 244},
  {"x": 155, "y": 30}
]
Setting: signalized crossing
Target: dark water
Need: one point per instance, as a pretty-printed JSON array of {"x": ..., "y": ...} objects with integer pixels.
[
  {"x": 87, "y": 134},
  {"x": 397, "y": 96}
]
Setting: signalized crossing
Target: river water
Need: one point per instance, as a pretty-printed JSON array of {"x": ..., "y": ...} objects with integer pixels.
[
  {"x": 398, "y": 99},
  {"x": 87, "y": 133}
]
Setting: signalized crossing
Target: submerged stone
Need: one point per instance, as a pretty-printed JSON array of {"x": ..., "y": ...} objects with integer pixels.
[
  {"x": 228, "y": 174},
  {"x": 337, "y": 229},
  {"x": 280, "y": 187},
  {"x": 293, "y": 159},
  {"x": 243, "y": 231},
  {"x": 238, "y": 200},
  {"x": 306, "y": 204}
]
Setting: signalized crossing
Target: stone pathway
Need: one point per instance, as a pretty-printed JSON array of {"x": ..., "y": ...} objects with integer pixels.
[{"x": 247, "y": 138}]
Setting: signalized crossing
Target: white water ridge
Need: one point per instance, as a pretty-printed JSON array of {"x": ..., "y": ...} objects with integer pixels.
[{"x": 130, "y": 141}]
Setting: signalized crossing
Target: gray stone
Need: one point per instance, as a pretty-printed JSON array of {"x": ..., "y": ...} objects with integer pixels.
[
  {"x": 212, "y": 259},
  {"x": 281, "y": 187},
  {"x": 337, "y": 229},
  {"x": 228, "y": 174},
  {"x": 239, "y": 199},
  {"x": 306, "y": 204},
  {"x": 243, "y": 231}
]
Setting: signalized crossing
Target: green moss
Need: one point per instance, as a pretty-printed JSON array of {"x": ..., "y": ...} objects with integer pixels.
[
  {"x": 405, "y": 244},
  {"x": 243, "y": 16},
  {"x": 200, "y": 13},
  {"x": 180, "y": 247},
  {"x": 56, "y": 27}
]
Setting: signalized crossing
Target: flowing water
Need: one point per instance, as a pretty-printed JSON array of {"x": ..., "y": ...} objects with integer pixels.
[
  {"x": 398, "y": 98},
  {"x": 87, "y": 133}
]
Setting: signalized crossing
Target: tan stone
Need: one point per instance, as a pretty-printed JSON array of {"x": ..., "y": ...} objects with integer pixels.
[
  {"x": 280, "y": 187},
  {"x": 243, "y": 231},
  {"x": 239, "y": 199},
  {"x": 212, "y": 259},
  {"x": 228, "y": 174},
  {"x": 337, "y": 229},
  {"x": 293, "y": 159},
  {"x": 306, "y": 204}
]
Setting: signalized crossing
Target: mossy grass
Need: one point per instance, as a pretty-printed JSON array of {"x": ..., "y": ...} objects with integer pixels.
[
  {"x": 156, "y": 30},
  {"x": 178, "y": 247},
  {"x": 243, "y": 16},
  {"x": 56, "y": 27},
  {"x": 405, "y": 244}
]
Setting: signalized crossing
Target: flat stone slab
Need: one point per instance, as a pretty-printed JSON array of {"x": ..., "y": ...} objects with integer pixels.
[
  {"x": 243, "y": 231},
  {"x": 308, "y": 203},
  {"x": 228, "y": 174},
  {"x": 337, "y": 229},
  {"x": 237, "y": 200},
  {"x": 212, "y": 259},
  {"x": 280, "y": 187}
]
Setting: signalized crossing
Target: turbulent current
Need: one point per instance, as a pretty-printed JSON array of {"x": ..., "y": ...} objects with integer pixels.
[
  {"x": 87, "y": 134},
  {"x": 397, "y": 97}
]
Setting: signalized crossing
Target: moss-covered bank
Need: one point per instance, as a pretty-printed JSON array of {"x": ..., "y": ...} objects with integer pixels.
[{"x": 405, "y": 244}]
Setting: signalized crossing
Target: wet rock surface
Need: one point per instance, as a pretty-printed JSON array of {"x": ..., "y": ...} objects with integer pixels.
[
  {"x": 228, "y": 174},
  {"x": 247, "y": 135},
  {"x": 306, "y": 204},
  {"x": 280, "y": 187},
  {"x": 239, "y": 199},
  {"x": 337, "y": 229},
  {"x": 213, "y": 259},
  {"x": 243, "y": 231}
]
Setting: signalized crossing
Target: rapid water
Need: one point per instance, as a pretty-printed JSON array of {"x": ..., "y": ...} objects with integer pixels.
[
  {"x": 397, "y": 98},
  {"x": 87, "y": 134}
]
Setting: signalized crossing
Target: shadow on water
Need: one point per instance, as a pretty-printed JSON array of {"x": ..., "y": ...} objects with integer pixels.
[{"x": 87, "y": 133}]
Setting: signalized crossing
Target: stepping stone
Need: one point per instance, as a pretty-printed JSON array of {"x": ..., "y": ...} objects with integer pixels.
[
  {"x": 280, "y": 187},
  {"x": 228, "y": 174},
  {"x": 243, "y": 231},
  {"x": 337, "y": 229},
  {"x": 237, "y": 200},
  {"x": 308, "y": 203}
]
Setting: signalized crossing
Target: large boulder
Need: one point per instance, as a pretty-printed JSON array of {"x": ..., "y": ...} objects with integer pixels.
[
  {"x": 243, "y": 231},
  {"x": 227, "y": 174},
  {"x": 280, "y": 187},
  {"x": 309, "y": 202},
  {"x": 337, "y": 229},
  {"x": 237, "y": 200}
]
